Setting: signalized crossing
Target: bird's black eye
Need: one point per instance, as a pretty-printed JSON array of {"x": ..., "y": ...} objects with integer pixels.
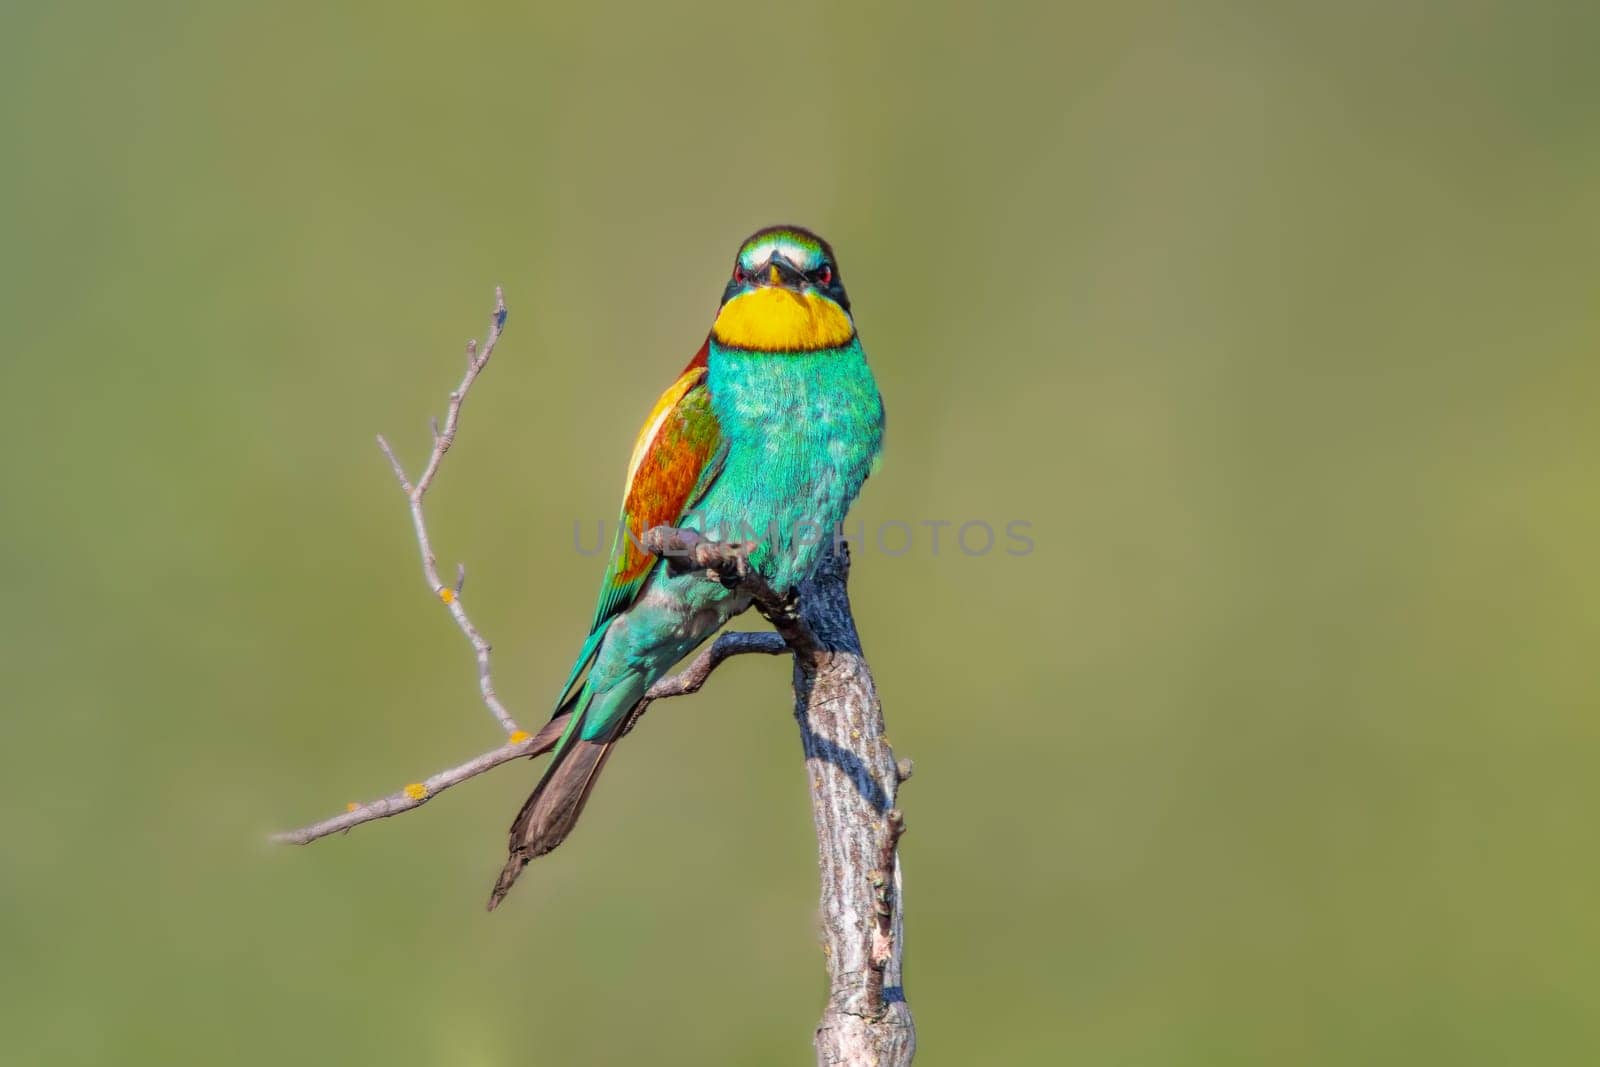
[{"x": 825, "y": 275}]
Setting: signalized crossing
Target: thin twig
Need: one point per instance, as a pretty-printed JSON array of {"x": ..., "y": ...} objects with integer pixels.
[
  {"x": 685, "y": 682},
  {"x": 450, "y": 595},
  {"x": 419, "y": 793},
  {"x": 691, "y": 678}
]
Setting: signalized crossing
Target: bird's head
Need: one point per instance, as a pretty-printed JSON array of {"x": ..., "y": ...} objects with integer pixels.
[{"x": 785, "y": 295}]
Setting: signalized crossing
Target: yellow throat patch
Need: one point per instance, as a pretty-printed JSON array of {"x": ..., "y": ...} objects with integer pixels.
[{"x": 782, "y": 320}]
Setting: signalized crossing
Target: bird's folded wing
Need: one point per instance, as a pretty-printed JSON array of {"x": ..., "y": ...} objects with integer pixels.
[{"x": 676, "y": 457}]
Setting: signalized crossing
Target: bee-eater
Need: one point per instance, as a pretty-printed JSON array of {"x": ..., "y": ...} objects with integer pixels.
[{"x": 767, "y": 435}]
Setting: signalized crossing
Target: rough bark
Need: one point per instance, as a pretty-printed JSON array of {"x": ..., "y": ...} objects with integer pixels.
[{"x": 853, "y": 777}]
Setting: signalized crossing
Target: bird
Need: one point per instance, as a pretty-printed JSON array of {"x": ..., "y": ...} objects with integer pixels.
[{"x": 767, "y": 435}]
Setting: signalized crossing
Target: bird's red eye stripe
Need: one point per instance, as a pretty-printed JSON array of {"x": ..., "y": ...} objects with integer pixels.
[
  {"x": 825, "y": 275},
  {"x": 738, "y": 273}
]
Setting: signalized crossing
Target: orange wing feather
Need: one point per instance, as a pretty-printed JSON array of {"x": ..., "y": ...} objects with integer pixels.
[{"x": 674, "y": 459}]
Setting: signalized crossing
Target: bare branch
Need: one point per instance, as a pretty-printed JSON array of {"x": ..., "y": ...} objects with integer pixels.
[
  {"x": 450, "y": 595},
  {"x": 853, "y": 778},
  {"x": 419, "y": 793},
  {"x": 525, "y": 746}
]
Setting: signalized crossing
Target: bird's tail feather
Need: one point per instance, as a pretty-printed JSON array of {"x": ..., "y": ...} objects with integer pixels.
[{"x": 552, "y": 811}]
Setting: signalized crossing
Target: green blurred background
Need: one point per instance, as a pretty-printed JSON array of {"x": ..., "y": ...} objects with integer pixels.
[{"x": 1276, "y": 321}]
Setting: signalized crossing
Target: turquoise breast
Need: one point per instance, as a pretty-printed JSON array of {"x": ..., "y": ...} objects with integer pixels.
[{"x": 803, "y": 431}]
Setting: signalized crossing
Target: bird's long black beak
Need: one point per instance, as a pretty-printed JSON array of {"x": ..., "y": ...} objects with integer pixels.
[{"x": 781, "y": 272}]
